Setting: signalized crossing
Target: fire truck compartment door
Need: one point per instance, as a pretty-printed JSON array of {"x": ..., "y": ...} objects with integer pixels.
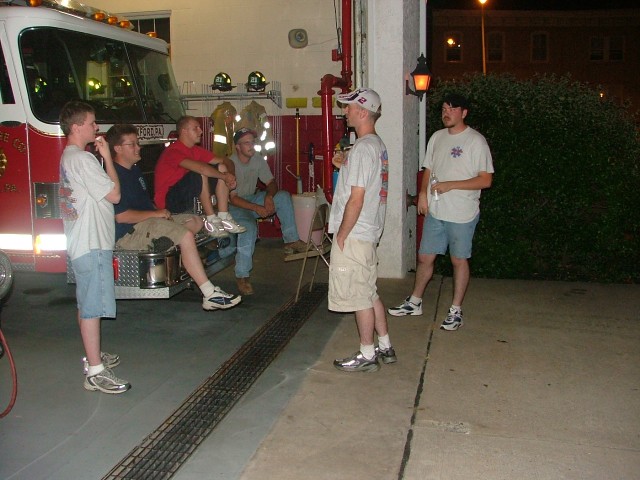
[{"x": 15, "y": 213}]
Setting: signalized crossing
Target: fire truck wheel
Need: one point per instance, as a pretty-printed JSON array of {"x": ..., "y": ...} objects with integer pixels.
[{"x": 6, "y": 275}]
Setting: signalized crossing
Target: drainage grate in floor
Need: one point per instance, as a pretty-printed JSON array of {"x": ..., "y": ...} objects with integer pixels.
[{"x": 164, "y": 451}]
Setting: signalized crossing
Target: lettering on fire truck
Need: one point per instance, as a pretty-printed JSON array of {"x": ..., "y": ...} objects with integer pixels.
[
  {"x": 3, "y": 162},
  {"x": 150, "y": 132}
]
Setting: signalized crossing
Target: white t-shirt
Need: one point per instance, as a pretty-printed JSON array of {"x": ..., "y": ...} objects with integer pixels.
[
  {"x": 247, "y": 174},
  {"x": 87, "y": 216},
  {"x": 456, "y": 157},
  {"x": 366, "y": 165}
]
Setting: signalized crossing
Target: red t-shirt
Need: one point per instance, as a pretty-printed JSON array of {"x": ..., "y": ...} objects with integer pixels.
[{"x": 168, "y": 171}]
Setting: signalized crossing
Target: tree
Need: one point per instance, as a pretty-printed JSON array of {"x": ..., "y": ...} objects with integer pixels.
[{"x": 565, "y": 200}]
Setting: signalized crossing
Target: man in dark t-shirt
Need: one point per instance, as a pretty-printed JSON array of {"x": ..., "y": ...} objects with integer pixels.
[{"x": 138, "y": 222}]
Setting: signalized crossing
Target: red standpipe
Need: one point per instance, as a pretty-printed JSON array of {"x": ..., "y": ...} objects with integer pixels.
[{"x": 328, "y": 83}]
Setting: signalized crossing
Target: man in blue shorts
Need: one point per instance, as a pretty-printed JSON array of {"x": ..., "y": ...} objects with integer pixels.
[
  {"x": 87, "y": 195},
  {"x": 356, "y": 221},
  {"x": 458, "y": 165}
]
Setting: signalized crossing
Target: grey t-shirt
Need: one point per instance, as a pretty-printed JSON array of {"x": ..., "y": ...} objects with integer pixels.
[
  {"x": 367, "y": 166},
  {"x": 247, "y": 174},
  {"x": 87, "y": 216}
]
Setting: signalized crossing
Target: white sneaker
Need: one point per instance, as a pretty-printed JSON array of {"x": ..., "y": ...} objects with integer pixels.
[
  {"x": 231, "y": 226},
  {"x": 220, "y": 300},
  {"x": 215, "y": 227},
  {"x": 106, "y": 382},
  {"x": 406, "y": 308},
  {"x": 453, "y": 321},
  {"x": 109, "y": 360}
]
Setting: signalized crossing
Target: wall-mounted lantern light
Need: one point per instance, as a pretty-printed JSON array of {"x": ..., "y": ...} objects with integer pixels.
[{"x": 421, "y": 79}]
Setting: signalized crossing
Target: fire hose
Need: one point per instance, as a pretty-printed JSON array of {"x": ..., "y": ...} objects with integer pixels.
[{"x": 6, "y": 279}]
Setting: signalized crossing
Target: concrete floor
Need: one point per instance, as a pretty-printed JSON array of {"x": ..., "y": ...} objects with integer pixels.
[{"x": 542, "y": 382}]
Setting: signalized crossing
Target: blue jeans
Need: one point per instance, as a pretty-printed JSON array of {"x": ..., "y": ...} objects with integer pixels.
[{"x": 247, "y": 218}]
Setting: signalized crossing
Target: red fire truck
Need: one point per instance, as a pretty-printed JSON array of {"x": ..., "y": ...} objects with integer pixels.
[{"x": 53, "y": 51}]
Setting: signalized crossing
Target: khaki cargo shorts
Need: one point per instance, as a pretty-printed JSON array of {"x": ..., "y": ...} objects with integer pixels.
[
  {"x": 353, "y": 273},
  {"x": 153, "y": 228}
]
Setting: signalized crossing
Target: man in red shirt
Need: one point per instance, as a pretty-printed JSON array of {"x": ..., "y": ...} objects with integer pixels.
[{"x": 186, "y": 171}]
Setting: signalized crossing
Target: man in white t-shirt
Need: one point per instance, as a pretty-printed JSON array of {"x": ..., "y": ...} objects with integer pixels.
[
  {"x": 458, "y": 165},
  {"x": 87, "y": 194},
  {"x": 356, "y": 221}
]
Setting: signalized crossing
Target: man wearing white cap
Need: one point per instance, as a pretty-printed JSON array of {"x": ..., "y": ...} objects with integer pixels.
[{"x": 356, "y": 221}]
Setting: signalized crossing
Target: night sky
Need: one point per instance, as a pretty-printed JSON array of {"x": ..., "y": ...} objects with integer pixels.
[{"x": 535, "y": 4}]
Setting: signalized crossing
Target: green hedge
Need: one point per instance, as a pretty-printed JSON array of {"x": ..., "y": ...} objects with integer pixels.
[{"x": 565, "y": 200}]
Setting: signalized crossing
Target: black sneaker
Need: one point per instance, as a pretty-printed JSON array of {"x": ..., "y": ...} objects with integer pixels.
[
  {"x": 161, "y": 245},
  {"x": 387, "y": 356},
  {"x": 357, "y": 363}
]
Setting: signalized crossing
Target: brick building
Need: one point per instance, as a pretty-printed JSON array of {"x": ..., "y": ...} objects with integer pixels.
[{"x": 599, "y": 47}]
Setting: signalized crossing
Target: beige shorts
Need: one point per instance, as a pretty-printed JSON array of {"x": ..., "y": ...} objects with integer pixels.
[
  {"x": 154, "y": 228},
  {"x": 353, "y": 273}
]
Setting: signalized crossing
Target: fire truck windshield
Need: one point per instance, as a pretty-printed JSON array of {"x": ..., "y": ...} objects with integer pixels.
[{"x": 122, "y": 81}]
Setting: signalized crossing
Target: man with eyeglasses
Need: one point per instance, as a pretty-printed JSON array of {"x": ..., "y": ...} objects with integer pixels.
[
  {"x": 247, "y": 206},
  {"x": 458, "y": 165},
  {"x": 139, "y": 223}
]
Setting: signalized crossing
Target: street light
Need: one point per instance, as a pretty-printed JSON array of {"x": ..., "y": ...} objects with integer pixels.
[{"x": 484, "y": 53}]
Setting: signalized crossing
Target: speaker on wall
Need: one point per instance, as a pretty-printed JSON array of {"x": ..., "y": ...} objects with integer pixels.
[{"x": 298, "y": 38}]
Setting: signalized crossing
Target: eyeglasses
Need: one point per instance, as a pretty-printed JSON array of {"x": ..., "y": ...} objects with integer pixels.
[{"x": 137, "y": 144}]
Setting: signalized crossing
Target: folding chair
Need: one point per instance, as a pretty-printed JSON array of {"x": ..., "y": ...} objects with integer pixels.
[{"x": 318, "y": 250}]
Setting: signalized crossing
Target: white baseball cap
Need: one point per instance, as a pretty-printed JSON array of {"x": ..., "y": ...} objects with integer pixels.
[{"x": 365, "y": 97}]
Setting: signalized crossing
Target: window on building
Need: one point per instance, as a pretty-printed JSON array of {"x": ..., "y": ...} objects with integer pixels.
[
  {"x": 495, "y": 47},
  {"x": 145, "y": 22},
  {"x": 540, "y": 47},
  {"x": 597, "y": 49},
  {"x": 607, "y": 49},
  {"x": 616, "y": 49},
  {"x": 453, "y": 47}
]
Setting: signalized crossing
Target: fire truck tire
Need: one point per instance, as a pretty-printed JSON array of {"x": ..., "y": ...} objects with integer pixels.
[{"x": 6, "y": 275}]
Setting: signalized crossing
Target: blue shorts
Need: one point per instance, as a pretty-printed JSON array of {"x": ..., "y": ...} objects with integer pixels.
[
  {"x": 437, "y": 235},
  {"x": 95, "y": 292}
]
